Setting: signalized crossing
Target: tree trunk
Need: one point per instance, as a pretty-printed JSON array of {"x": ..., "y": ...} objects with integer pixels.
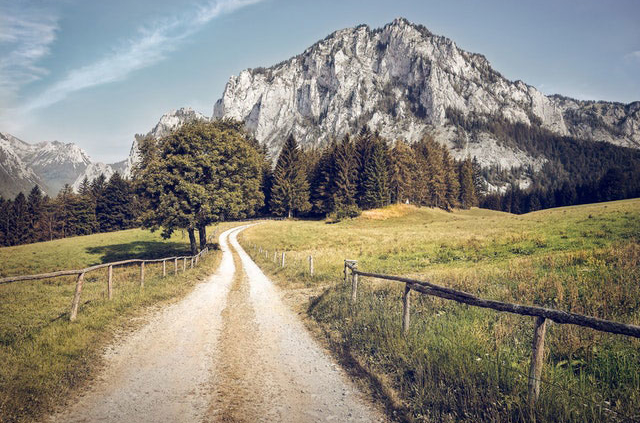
[
  {"x": 202, "y": 234},
  {"x": 192, "y": 241}
]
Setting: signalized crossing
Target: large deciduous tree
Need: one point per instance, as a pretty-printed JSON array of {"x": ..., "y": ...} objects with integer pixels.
[{"x": 202, "y": 173}]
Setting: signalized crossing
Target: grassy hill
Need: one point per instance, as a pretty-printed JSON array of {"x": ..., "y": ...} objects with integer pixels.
[
  {"x": 45, "y": 357},
  {"x": 466, "y": 364}
]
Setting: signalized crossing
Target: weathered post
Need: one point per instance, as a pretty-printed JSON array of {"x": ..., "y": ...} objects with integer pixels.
[
  {"x": 175, "y": 265},
  {"x": 164, "y": 268},
  {"x": 110, "y": 282},
  {"x": 184, "y": 264},
  {"x": 191, "y": 263},
  {"x": 354, "y": 281},
  {"x": 142, "y": 274},
  {"x": 197, "y": 257},
  {"x": 76, "y": 297},
  {"x": 311, "y": 265},
  {"x": 537, "y": 357},
  {"x": 406, "y": 302},
  {"x": 345, "y": 272},
  {"x": 282, "y": 264}
]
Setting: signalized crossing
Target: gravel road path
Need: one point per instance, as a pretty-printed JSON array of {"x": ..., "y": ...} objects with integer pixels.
[{"x": 231, "y": 351}]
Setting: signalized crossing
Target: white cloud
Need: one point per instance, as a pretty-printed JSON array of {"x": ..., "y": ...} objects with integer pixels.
[
  {"x": 151, "y": 45},
  {"x": 26, "y": 35},
  {"x": 634, "y": 55}
]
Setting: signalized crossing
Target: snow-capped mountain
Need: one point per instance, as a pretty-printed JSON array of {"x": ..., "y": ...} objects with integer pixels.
[
  {"x": 49, "y": 164},
  {"x": 403, "y": 81},
  {"x": 15, "y": 174},
  {"x": 56, "y": 163}
]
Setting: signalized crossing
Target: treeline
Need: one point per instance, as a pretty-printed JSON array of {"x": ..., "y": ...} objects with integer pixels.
[
  {"x": 615, "y": 184},
  {"x": 366, "y": 172},
  {"x": 99, "y": 206}
]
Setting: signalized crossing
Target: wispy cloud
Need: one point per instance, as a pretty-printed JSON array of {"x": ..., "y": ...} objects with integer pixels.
[
  {"x": 151, "y": 45},
  {"x": 26, "y": 35},
  {"x": 634, "y": 55}
]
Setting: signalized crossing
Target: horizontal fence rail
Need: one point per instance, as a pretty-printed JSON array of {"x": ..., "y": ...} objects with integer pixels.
[
  {"x": 81, "y": 272},
  {"x": 541, "y": 314}
]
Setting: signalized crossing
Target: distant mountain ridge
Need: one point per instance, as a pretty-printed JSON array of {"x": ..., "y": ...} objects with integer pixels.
[
  {"x": 49, "y": 164},
  {"x": 400, "y": 80}
]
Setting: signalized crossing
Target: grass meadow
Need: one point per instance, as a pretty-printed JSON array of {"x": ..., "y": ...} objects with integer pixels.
[
  {"x": 461, "y": 363},
  {"x": 45, "y": 358}
]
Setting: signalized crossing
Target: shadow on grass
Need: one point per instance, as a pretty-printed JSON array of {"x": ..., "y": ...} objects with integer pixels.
[
  {"x": 148, "y": 250},
  {"x": 357, "y": 368}
]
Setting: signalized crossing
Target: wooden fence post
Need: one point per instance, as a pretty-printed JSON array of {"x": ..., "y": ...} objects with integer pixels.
[
  {"x": 311, "y": 265},
  {"x": 164, "y": 268},
  {"x": 142, "y": 274},
  {"x": 175, "y": 265},
  {"x": 184, "y": 265},
  {"x": 191, "y": 263},
  {"x": 282, "y": 264},
  {"x": 354, "y": 281},
  {"x": 110, "y": 282},
  {"x": 197, "y": 257},
  {"x": 345, "y": 272},
  {"x": 537, "y": 356},
  {"x": 406, "y": 302},
  {"x": 76, "y": 297}
]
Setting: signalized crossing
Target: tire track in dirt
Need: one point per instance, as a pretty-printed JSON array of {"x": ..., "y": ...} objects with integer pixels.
[
  {"x": 298, "y": 382},
  {"x": 163, "y": 371}
]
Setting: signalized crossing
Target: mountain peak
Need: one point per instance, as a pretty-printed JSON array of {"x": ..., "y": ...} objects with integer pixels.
[{"x": 404, "y": 81}]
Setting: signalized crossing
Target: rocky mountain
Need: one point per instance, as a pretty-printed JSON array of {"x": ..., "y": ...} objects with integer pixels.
[
  {"x": 49, "y": 164},
  {"x": 56, "y": 163},
  {"x": 168, "y": 122},
  {"x": 405, "y": 81},
  {"x": 15, "y": 174}
]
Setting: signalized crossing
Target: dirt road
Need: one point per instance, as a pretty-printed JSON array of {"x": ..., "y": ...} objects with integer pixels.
[{"x": 231, "y": 351}]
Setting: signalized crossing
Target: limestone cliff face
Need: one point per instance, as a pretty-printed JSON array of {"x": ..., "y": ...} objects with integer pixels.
[{"x": 401, "y": 80}]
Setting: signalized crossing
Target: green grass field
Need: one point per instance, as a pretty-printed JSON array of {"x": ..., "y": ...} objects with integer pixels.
[
  {"x": 43, "y": 356},
  {"x": 460, "y": 363}
]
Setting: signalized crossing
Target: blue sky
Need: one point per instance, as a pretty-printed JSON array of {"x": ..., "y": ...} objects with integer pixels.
[{"x": 97, "y": 72}]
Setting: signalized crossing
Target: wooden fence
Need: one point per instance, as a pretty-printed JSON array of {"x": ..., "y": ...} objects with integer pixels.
[
  {"x": 540, "y": 313},
  {"x": 193, "y": 261}
]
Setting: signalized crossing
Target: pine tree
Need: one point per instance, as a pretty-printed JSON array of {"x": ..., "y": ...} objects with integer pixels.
[
  {"x": 323, "y": 181},
  {"x": 364, "y": 144},
  {"x": 21, "y": 220},
  {"x": 74, "y": 214},
  {"x": 431, "y": 188},
  {"x": 467, "y": 187},
  {"x": 375, "y": 179},
  {"x": 451, "y": 178},
  {"x": 290, "y": 192},
  {"x": 5, "y": 212},
  {"x": 85, "y": 187},
  {"x": 403, "y": 172},
  {"x": 114, "y": 207},
  {"x": 345, "y": 180},
  {"x": 98, "y": 185},
  {"x": 479, "y": 184},
  {"x": 34, "y": 211}
]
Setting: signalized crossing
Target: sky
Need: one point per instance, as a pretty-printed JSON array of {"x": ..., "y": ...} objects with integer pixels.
[{"x": 97, "y": 72}]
